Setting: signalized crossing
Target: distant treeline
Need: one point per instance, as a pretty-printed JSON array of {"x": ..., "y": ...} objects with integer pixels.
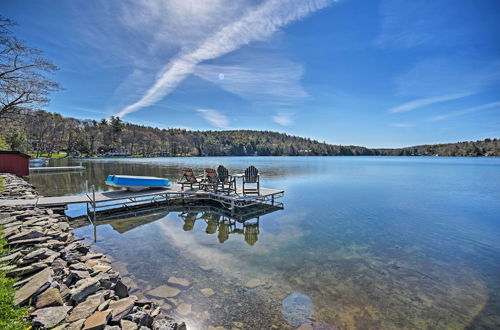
[{"x": 44, "y": 133}]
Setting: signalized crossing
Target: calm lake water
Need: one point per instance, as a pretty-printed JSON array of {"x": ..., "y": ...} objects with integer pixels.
[{"x": 362, "y": 243}]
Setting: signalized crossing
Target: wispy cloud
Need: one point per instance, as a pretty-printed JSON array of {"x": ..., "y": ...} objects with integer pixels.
[
  {"x": 466, "y": 111},
  {"x": 409, "y": 24},
  {"x": 270, "y": 80},
  {"x": 257, "y": 24},
  {"x": 214, "y": 117},
  {"x": 402, "y": 125},
  {"x": 423, "y": 102},
  {"x": 282, "y": 118}
]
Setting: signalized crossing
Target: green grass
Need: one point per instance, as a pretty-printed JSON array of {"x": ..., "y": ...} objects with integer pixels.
[
  {"x": 15, "y": 318},
  {"x": 53, "y": 156},
  {"x": 1, "y": 183}
]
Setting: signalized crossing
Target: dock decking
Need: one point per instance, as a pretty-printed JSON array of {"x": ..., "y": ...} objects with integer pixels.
[{"x": 232, "y": 200}]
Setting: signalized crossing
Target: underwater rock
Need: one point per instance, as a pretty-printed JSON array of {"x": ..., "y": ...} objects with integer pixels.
[
  {"x": 164, "y": 291},
  {"x": 297, "y": 309},
  {"x": 207, "y": 292}
]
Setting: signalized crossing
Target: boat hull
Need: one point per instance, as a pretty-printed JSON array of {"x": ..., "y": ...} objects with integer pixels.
[{"x": 136, "y": 183}]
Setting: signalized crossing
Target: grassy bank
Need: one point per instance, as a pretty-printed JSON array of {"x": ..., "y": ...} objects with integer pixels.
[
  {"x": 1, "y": 183},
  {"x": 10, "y": 317},
  {"x": 52, "y": 156}
]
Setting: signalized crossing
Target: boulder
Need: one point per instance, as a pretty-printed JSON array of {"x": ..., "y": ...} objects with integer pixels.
[
  {"x": 121, "y": 308},
  {"x": 35, "y": 285},
  {"x": 128, "y": 325},
  {"x": 22, "y": 271},
  {"x": 121, "y": 289},
  {"x": 50, "y": 297},
  {"x": 97, "y": 321},
  {"x": 49, "y": 317},
  {"x": 164, "y": 324},
  {"x": 83, "y": 288},
  {"x": 141, "y": 318},
  {"x": 86, "y": 308}
]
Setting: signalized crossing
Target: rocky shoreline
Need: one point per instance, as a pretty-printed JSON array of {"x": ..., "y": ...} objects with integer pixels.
[{"x": 66, "y": 285}]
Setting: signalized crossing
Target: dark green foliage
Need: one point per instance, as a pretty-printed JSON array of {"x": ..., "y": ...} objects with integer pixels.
[{"x": 42, "y": 132}]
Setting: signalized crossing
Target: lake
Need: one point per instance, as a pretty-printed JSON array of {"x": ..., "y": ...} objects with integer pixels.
[{"x": 362, "y": 243}]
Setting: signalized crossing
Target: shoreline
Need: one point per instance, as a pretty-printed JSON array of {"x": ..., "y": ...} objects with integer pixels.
[{"x": 65, "y": 284}]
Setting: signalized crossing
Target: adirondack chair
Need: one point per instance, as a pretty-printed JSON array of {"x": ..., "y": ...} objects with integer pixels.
[
  {"x": 226, "y": 181},
  {"x": 251, "y": 176},
  {"x": 211, "y": 180},
  {"x": 189, "y": 179}
]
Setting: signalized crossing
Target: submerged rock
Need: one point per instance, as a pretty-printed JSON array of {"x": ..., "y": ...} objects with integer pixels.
[
  {"x": 164, "y": 291},
  {"x": 297, "y": 309},
  {"x": 207, "y": 292},
  {"x": 182, "y": 282}
]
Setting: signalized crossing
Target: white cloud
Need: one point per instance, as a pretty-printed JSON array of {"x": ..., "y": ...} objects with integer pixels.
[
  {"x": 270, "y": 80},
  {"x": 214, "y": 117},
  {"x": 419, "y": 103},
  {"x": 284, "y": 119},
  {"x": 256, "y": 24},
  {"x": 466, "y": 111}
]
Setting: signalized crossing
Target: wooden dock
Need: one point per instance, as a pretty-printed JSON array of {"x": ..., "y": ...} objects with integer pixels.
[
  {"x": 44, "y": 169},
  {"x": 124, "y": 197}
]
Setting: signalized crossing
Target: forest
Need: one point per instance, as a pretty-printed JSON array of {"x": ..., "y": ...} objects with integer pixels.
[{"x": 42, "y": 133}]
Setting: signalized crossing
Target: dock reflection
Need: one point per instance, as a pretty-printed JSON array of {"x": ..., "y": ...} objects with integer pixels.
[{"x": 219, "y": 221}]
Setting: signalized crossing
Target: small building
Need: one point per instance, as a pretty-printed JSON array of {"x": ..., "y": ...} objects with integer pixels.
[{"x": 14, "y": 162}]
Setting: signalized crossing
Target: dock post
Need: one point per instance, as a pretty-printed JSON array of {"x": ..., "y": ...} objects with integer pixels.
[{"x": 93, "y": 216}]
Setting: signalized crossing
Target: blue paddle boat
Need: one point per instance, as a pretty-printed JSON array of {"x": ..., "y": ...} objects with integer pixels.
[{"x": 136, "y": 183}]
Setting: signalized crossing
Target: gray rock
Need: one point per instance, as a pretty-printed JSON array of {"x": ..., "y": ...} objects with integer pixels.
[
  {"x": 121, "y": 289},
  {"x": 35, "y": 285},
  {"x": 84, "y": 288},
  {"x": 97, "y": 321},
  {"x": 75, "y": 276},
  {"x": 164, "y": 291},
  {"x": 177, "y": 281},
  {"x": 50, "y": 316},
  {"x": 50, "y": 297},
  {"x": 164, "y": 324},
  {"x": 25, "y": 235},
  {"x": 28, "y": 242},
  {"x": 120, "y": 308},
  {"x": 11, "y": 257},
  {"x": 77, "y": 325},
  {"x": 23, "y": 271},
  {"x": 86, "y": 308},
  {"x": 141, "y": 318},
  {"x": 128, "y": 325}
]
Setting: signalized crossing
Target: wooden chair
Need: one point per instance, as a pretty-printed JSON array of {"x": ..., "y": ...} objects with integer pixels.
[
  {"x": 189, "y": 179},
  {"x": 211, "y": 180},
  {"x": 251, "y": 176},
  {"x": 226, "y": 179}
]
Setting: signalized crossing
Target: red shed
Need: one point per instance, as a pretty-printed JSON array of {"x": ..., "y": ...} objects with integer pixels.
[{"x": 14, "y": 162}]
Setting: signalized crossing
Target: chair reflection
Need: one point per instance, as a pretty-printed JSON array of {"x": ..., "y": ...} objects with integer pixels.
[{"x": 246, "y": 224}]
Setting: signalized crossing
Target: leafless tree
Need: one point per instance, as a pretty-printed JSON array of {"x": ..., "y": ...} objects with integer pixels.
[{"x": 24, "y": 74}]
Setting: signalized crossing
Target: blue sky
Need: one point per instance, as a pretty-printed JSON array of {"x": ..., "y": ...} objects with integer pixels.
[{"x": 384, "y": 73}]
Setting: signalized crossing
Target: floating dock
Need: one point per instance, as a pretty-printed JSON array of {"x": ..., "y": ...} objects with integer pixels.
[{"x": 43, "y": 169}]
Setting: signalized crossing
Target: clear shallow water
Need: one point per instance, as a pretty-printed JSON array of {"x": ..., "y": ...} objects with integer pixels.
[{"x": 363, "y": 242}]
